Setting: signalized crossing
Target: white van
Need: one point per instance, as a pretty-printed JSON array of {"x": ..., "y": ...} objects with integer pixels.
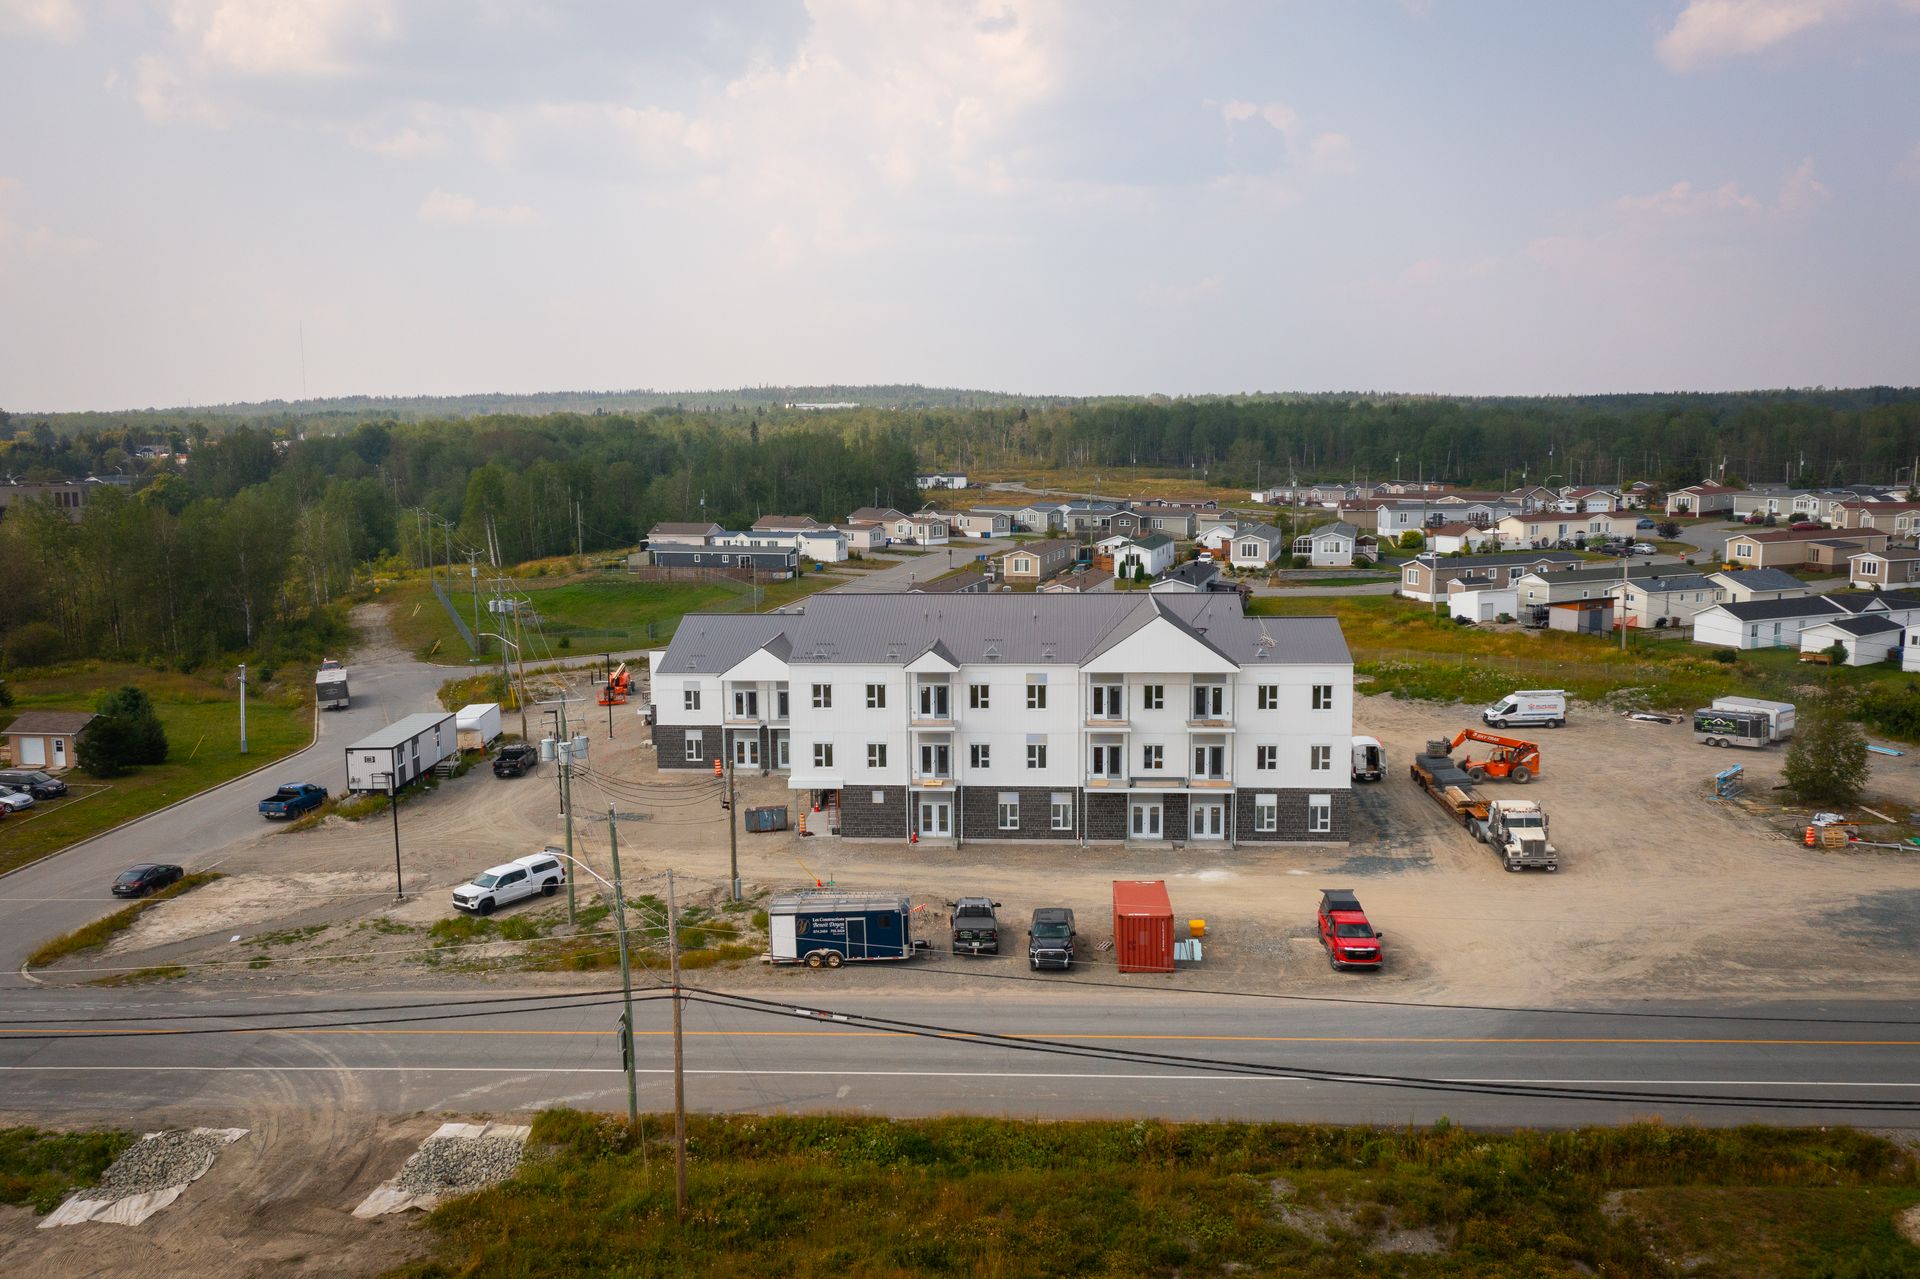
[
  {"x": 1369, "y": 760},
  {"x": 1531, "y": 706}
]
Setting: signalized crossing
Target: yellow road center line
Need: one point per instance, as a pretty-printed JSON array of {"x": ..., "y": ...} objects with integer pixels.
[{"x": 1065, "y": 1038}]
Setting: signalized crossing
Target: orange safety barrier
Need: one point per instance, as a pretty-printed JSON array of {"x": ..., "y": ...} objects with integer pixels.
[{"x": 717, "y": 772}]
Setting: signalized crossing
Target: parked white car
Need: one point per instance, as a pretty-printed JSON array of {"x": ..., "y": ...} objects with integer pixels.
[
  {"x": 541, "y": 873},
  {"x": 14, "y": 800},
  {"x": 1645, "y": 548}
]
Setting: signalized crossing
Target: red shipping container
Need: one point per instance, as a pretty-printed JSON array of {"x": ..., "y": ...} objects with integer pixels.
[{"x": 1142, "y": 926}]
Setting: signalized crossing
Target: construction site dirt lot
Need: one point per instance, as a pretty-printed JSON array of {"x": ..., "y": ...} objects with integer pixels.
[{"x": 1664, "y": 891}]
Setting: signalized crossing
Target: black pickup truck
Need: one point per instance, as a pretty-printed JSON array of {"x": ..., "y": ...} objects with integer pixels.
[
  {"x": 976, "y": 929},
  {"x": 516, "y": 759},
  {"x": 1050, "y": 938}
]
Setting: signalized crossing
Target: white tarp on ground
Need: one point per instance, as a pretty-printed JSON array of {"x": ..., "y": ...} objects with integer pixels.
[
  {"x": 134, "y": 1209},
  {"x": 388, "y": 1197}
]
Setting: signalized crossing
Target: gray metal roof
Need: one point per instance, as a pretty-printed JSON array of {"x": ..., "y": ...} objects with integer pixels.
[
  {"x": 1872, "y": 625},
  {"x": 1871, "y": 601},
  {"x": 1015, "y": 629},
  {"x": 402, "y": 731},
  {"x": 709, "y": 643}
]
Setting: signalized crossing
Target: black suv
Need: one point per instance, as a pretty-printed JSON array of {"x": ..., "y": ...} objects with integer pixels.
[
  {"x": 35, "y": 783},
  {"x": 1050, "y": 938},
  {"x": 976, "y": 929},
  {"x": 515, "y": 760}
]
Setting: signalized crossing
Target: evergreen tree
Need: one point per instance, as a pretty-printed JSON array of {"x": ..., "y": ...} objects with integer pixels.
[{"x": 1827, "y": 762}]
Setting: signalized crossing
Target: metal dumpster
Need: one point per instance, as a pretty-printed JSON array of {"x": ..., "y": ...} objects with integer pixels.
[{"x": 769, "y": 818}]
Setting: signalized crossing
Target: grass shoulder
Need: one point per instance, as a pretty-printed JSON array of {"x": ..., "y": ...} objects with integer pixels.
[
  {"x": 93, "y": 936},
  {"x": 40, "y": 1167},
  {"x": 841, "y": 1194}
]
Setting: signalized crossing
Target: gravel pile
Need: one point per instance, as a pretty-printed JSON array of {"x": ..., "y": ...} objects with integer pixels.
[
  {"x": 445, "y": 1165},
  {"x": 157, "y": 1162}
]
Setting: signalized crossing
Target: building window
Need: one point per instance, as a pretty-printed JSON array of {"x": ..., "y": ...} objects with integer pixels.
[
  {"x": 1061, "y": 811},
  {"x": 876, "y": 754},
  {"x": 979, "y": 696},
  {"x": 876, "y": 697},
  {"x": 1320, "y": 758},
  {"x": 1266, "y": 814},
  {"x": 1037, "y": 755},
  {"x": 691, "y": 699},
  {"x": 1036, "y": 697},
  {"x": 1009, "y": 810},
  {"x": 780, "y": 703},
  {"x": 1269, "y": 697},
  {"x": 822, "y": 697},
  {"x": 823, "y": 754},
  {"x": 696, "y": 748},
  {"x": 1266, "y": 757},
  {"x": 1153, "y": 697},
  {"x": 1209, "y": 701},
  {"x": 1152, "y": 758},
  {"x": 1323, "y": 697},
  {"x": 981, "y": 755},
  {"x": 1319, "y": 814}
]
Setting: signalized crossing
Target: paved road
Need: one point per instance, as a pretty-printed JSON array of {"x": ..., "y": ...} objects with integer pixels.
[
  {"x": 70, "y": 889},
  {"x": 1255, "y": 1058},
  {"x": 900, "y": 576}
]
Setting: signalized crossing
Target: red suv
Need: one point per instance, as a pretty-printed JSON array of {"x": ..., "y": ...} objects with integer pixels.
[{"x": 1345, "y": 932}]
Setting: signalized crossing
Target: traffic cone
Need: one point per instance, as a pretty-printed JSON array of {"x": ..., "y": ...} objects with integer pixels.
[
  {"x": 716, "y": 769},
  {"x": 1811, "y": 838},
  {"x": 803, "y": 821}
]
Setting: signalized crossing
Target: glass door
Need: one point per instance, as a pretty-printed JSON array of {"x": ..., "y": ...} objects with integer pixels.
[{"x": 1146, "y": 821}]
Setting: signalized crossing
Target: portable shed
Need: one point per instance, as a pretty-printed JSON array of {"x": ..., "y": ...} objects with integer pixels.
[
  {"x": 1483, "y": 605},
  {"x": 401, "y": 752}
]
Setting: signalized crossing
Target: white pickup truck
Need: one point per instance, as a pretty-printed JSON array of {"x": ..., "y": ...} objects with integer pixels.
[{"x": 541, "y": 873}]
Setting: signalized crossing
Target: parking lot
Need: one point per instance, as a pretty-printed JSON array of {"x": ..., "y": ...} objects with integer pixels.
[{"x": 1663, "y": 891}]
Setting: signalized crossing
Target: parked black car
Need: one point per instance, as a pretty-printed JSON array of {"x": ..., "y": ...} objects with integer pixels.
[
  {"x": 1050, "y": 938},
  {"x": 515, "y": 759},
  {"x": 34, "y": 782},
  {"x": 138, "y": 881}
]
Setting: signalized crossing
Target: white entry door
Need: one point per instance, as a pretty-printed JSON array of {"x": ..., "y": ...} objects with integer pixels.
[
  {"x": 1146, "y": 821},
  {"x": 936, "y": 817},
  {"x": 1209, "y": 821},
  {"x": 59, "y": 752},
  {"x": 746, "y": 752}
]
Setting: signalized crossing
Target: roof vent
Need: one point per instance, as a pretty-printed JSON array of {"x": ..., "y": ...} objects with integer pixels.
[{"x": 993, "y": 652}]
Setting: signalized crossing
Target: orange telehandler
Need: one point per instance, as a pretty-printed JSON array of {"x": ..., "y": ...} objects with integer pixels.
[
  {"x": 619, "y": 684},
  {"x": 1511, "y": 759}
]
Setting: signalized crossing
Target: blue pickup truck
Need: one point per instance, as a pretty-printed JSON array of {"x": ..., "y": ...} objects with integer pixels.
[{"x": 291, "y": 801}]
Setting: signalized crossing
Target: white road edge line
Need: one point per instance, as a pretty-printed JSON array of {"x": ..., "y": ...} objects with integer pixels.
[{"x": 945, "y": 1074}]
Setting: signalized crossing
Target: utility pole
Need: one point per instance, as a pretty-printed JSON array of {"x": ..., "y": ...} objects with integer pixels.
[
  {"x": 1623, "y": 603},
  {"x": 566, "y": 800},
  {"x": 626, "y": 974},
  {"x": 609, "y": 691},
  {"x": 473, "y": 578},
  {"x": 243, "y": 708},
  {"x": 679, "y": 1073},
  {"x": 733, "y": 831},
  {"x": 520, "y": 657}
]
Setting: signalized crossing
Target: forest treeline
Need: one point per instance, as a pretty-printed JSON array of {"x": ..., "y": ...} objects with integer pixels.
[
  {"x": 253, "y": 538},
  {"x": 249, "y": 545}
]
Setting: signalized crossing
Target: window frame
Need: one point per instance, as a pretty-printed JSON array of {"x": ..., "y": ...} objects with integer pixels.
[
  {"x": 876, "y": 755},
  {"x": 1322, "y": 697},
  {"x": 823, "y": 754},
  {"x": 1320, "y": 757},
  {"x": 876, "y": 697},
  {"x": 823, "y": 697},
  {"x": 1036, "y": 756}
]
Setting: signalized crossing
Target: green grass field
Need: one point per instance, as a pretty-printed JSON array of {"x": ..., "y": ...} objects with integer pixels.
[
  {"x": 202, "y": 720},
  {"x": 773, "y": 1194},
  {"x": 582, "y": 615}
]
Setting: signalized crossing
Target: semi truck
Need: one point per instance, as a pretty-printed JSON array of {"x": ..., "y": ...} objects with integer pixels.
[
  {"x": 1743, "y": 721},
  {"x": 330, "y": 686},
  {"x": 1514, "y": 828},
  {"x": 1517, "y": 830}
]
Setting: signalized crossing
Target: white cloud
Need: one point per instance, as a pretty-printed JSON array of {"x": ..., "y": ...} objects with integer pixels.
[
  {"x": 166, "y": 95},
  {"x": 447, "y": 208},
  {"x": 1279, "y": 115},
  {"x": 283, "y": 37},
  {"x": 49, "y": 19},
  {"x": 1712, "y": 30},
  {"x": 1907, "y": 169},
  {"x": 20, "y": 241},
  {"x": 1332, "y": 153},
  {"x": 1800, "y": 191},
  {"x": 405, "y": 143},
  {"x": 1685, "y": 200}
]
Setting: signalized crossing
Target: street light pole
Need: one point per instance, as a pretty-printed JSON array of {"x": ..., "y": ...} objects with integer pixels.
[
  {"x": 679, "y": 1060},
  {"x": 393, "y": 804},
  {"x": 243, "y": 708}
]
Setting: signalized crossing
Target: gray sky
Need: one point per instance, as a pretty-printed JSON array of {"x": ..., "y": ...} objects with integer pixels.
[{"x": 476, "y": 195}]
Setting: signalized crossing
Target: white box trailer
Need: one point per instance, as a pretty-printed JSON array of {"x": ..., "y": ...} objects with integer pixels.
[
  {"x": 1780, "y": 715},
  {"x": 402, "y": 751},
  {"x": 477, "y": 725}
]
